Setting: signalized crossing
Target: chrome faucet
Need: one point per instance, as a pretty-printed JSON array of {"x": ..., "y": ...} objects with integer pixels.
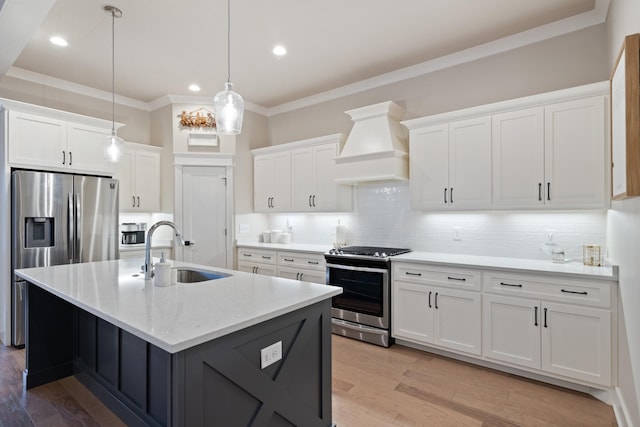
[{"x": 148, "y": 264}]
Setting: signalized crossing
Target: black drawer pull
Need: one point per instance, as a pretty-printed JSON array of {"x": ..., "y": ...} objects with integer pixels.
[
  {"x": 429, "y": 299},
  {"x": 436, "y": 301},
  {"x": 517, "y": 285},
  {"x": 246, "y": 254},
  {"x": 574, "y": 292},
  {"x": 313, "y": 262},
  {"x": 545, "y": 317},
  {"x": 266, "y": 257},
  {"x": 535, "y": 321},
  {"x": 288, "y": 259},
  {"x": 460, "y": 279},
  {"x": 408, "y": 273}
]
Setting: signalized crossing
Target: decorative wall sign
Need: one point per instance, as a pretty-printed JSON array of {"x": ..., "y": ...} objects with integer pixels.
[{"x": 199, "y": 118}]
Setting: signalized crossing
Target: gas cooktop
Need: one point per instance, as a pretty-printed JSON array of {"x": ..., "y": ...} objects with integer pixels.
[{"x": 369, "y": 251}]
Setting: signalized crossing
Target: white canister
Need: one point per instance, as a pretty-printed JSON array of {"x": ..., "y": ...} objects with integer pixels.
[
  {"x": 162, "y": 274},
  {"x": 285, "y": 238},
  {"x": 266, "y": 237},
  {"x": 275, "y": 236}
]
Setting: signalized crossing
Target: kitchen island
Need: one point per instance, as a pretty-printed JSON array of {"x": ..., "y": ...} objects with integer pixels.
[{"x": 245, "y": 350}]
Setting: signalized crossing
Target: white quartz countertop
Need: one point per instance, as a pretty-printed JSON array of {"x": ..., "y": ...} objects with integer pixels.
[
  {"x": 294, "y": 247},
  {"x": 179, "y": 316},
  {"x": 575, "y": 269}
]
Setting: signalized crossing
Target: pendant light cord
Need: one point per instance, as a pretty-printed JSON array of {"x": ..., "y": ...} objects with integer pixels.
[
  {"x": 113, "y": 71},
  {"x": 228, "y": 41}
]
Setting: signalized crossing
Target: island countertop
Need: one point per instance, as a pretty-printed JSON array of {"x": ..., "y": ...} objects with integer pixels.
[{"x": 179, "y": 316}]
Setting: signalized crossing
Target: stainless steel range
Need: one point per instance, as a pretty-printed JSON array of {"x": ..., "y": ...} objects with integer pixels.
[{"x": 363, "y": 310}]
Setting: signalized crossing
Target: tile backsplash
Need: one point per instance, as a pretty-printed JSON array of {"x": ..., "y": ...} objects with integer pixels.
[{"x": 382, "y": 216}]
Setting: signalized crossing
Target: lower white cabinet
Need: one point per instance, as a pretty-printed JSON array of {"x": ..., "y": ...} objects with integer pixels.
[
  {"x": 257, "y": 261},
  {"x": 446, "y": 316},
  {"x": 570, "y": 339}
]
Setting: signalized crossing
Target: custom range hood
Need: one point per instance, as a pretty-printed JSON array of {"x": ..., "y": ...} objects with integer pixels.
[{"x": 376, "y": 149}]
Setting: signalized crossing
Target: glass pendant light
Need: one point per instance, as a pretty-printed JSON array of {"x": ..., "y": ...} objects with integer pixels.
[
  {"x": 113, "y": 144},
  {"x": 229, "y": 106}
]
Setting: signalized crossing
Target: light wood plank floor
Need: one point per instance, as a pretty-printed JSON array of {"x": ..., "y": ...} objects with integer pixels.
[{"x": 372, "y": 386}]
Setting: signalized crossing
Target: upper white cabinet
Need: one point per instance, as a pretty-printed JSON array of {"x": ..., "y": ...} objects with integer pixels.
[
  {"x": 551, "y": 156},
  {"x": 54, "y": 144},
  {"x": 546, "y": 151},
  {"x": 272, "y": 182},
  {"x": 450, "y": 165},
  {"x": 300, "y": 177},
  {"x": 139, "y": 174}
]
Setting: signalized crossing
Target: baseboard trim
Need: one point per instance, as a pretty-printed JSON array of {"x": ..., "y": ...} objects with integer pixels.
[{"x": 620, "y": 409}]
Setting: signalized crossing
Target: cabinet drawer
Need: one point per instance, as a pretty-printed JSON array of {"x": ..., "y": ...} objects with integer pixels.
[
  {"x": 459, "y": 278},
  {"x": 259, "y": 256},
  {"x": 572, "y": 291},
  {"x": 302, "y": 260}
]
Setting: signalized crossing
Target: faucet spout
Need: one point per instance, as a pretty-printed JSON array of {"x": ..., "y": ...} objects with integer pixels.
[{"x": 148, "y": 264}]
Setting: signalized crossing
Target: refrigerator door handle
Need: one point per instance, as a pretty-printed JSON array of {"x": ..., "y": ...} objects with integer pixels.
[
  {"x": 70, "y": 222},
  {"x": 78, "y": 230}
]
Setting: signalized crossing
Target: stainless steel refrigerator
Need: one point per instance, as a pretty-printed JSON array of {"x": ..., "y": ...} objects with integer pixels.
[{"x": 58, "y": 219}]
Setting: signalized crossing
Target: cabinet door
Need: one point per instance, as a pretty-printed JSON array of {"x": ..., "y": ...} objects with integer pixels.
[
  {"x": 37, "y": 141},
  {"x": 302, "y": 179},
  {"x": 302, "y": 275},
  {"x": 85, "y": 145},
  {"x": 518, "y": 159},
  {"x": 124, "y": 174},
  {"x": 429, "y": 168},
  {"x": 412, "y": 316},
  {"x": 511, "y": 330},
  {"x": 470, "y": 164},
  {"x": 576, "y": 342},
  {"x": 326, "y": 190},
  {"x": 262, "y": 183},
  {"x": 281, "y": 182},
  {"x": 147, "y": 181},
  {"x": 458, "y": 320},
  {"x": 575, "y": 154}
]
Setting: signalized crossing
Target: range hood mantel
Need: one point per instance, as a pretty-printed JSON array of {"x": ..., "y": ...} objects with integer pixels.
[{"x": 376, "y": 149}]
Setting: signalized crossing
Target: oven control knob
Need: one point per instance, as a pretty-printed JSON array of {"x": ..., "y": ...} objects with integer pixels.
[
  {"x": 383, "y": 254},
  {"x": 332, "y": 251},
  {"x": 377, "y": 254}
]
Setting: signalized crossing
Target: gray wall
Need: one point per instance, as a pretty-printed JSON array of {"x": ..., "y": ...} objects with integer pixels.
[
  {"x": 623, "y": 233},
  {"x": 571, "y": 60}
]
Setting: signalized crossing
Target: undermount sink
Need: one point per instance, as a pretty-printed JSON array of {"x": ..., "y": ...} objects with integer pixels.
[{"x": 188, "y": 275}]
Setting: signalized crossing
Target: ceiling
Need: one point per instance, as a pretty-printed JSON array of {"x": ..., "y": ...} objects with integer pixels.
[{"x": 163, "y": 46}]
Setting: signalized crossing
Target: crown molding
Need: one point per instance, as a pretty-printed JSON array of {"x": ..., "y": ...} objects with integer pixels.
[{"x": 595, "y": 16}]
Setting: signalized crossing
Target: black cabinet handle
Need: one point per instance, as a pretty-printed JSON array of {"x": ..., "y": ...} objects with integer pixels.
[
  {"x": 301, "y": 274},
  {"x": 310, "y": 201},
  {"x": 408, "y": 273},
  {"x": 314, "y": 200},
  {"x": 313, "y": 262},
  {"x": 535, "y": 319},
  {"x": 451, "y": 195},
  {"x": 429, "y": 299},
  {"x": 70, "y": 158},
  {"x": 436, "y": 301},
  {"x": 516, "y": 285},
  {"x": 138, "y": 201},
  {"x": 288, "y": 259},
  {"x": 459, "y": 279},
  {"x": 64, "y": 158},
  {"x": 539, "y": 191},
  {"x": 549, "y": 191},
  {"x": 445, "y": 196},
  {"x": 297, "y": 276},
  {"x": 266, "y": 257},
  {"x": 246, "y": 254},
  {"x": 545, "y": 317},
  {"x": 133, "y": 203},
  {"x": 574, "y": 292}
]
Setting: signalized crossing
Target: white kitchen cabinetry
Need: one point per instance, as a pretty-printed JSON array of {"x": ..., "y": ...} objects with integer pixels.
[
  {"x": 272, "y": 182},
  {"x": 555, "y": 326},
  {"x": 437, "y": 306},
  {"x": 302, "y": 266},
  {"x": 550, "y": 156},
  {"x": 313, "y": 179},
  {"x": 450, "y": 165},
  {"x": 53, "y": 144},
  {"x": 139, "y": 174},
  {"x": 258, "y": 261}
]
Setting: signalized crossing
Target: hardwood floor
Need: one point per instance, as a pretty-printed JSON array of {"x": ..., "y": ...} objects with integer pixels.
[{"x": 372, "y": 386}]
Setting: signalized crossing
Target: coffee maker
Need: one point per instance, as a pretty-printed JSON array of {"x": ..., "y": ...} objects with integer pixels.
[{"x": 132, "y": 233}]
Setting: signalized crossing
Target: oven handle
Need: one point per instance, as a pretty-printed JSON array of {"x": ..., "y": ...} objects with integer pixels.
[{"x": 352, "y": 268}]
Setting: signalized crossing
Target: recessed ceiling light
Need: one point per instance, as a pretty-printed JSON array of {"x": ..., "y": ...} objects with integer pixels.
[
  {"x": 58, "y": 41},
  {"x": 194, "y": 88},
  {"x": 279, "y": 50}
]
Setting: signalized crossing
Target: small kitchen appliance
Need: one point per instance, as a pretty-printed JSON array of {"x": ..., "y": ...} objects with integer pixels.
[
  {"x": 132, "y": 233},
  {"x": 363, "y": 310}
]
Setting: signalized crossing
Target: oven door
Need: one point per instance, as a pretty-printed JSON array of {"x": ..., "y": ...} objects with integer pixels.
[{"x": 365, "y": 294}]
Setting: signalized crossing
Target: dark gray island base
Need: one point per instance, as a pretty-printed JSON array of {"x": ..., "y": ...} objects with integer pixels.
[{"x": 217, "y": 383}]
